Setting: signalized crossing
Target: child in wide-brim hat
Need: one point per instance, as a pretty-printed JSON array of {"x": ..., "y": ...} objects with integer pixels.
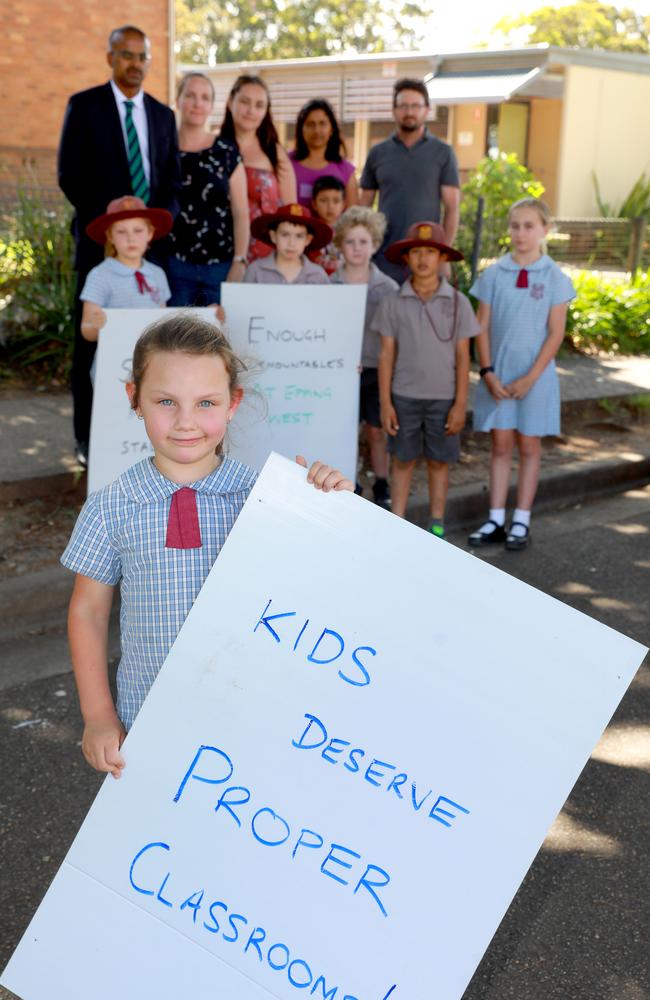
[
  {"x": 290, "y": 230},
  {"x": 124, "y": 280},
  {"x": 425, "y": 328},
  {"x": 422, "y": 234}
]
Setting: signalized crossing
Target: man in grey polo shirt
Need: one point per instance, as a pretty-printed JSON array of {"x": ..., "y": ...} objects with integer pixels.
[{"x": 415, "y": 173}]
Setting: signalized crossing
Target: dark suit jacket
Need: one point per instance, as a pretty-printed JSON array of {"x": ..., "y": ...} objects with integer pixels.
[{"x": 93, "y": 167}]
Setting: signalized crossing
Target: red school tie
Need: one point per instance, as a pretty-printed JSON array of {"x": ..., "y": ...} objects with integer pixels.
[
  {"x": 522, "y": 279},
  {"x": 142, "y": 283},
  {"x": 183, "y": 531}
]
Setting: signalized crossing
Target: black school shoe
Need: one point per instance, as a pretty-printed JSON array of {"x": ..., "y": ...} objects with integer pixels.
[
  {"x": 496, "y": 537},
  {"x": 381, "y": 493},
  {"x": 515, "y": 543}
]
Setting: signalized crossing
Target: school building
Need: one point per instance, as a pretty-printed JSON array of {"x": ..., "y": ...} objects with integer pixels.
[{"x": 567, "y": 113}]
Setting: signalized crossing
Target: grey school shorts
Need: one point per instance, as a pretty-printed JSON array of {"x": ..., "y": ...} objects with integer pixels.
[{"x": 421, "y": 431}]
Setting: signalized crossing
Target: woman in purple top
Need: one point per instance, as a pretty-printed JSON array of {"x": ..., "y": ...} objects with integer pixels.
[{"x": 320, "y": 152}]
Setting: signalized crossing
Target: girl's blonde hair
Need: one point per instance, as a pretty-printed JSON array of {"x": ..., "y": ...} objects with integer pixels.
[
  {"x": 186, "y": 334},
  {"x": 537, "y": 205},
  {"x": 357, "y": 215},
  {"x": 109, "y": 247}
]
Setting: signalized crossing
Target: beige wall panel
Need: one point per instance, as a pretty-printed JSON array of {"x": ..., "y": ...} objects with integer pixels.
[
  {"x": 513, "y": 129},
  {"x": 469, "y": 134},
  {"x": 544, "y": 145},
  {"x": 605, "y": 130}
]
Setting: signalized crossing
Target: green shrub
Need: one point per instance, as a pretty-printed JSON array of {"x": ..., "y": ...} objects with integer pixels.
[
  {"x": 37, "y": 283},
  {"x": 500, "y": 182},
  {"x": 637, "y": 202},
  {"x": 610, "y": 315}
]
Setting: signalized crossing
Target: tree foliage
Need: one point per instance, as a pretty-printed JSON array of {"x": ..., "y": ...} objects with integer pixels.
[
  {"x": 588, "y": 24},
  {"x": 207, "y": 32},
  {"x": 500, "y": 182}
]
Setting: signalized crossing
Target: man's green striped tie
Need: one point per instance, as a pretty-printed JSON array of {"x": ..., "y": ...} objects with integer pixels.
[{"x": 139, "y": 183}]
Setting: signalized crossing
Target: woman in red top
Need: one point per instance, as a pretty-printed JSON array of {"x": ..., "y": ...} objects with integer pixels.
[{"x": 270, "y": 178}]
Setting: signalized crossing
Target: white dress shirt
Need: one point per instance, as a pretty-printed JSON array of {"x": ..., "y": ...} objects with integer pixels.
[{"x": 139, "y": 120}]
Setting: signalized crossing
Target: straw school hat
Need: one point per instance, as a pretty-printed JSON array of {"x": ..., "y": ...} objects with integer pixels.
[
  {"x": 421, "y": 234},
  {"x": 130, "y": 207},
  {"x": 300, "y": 216}
]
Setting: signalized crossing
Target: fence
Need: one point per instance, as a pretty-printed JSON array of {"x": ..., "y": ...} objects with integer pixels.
[
  {"x": 50, "y": 198},
  {"x": 601, "y": 244}
]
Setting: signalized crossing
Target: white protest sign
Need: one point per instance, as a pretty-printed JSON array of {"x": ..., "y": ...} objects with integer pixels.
[
  {"x": 340, "y": 776},
  {"x": 302, "y": 345},
  {"x": 117, "y": 438},
  {"x": 306, "y": 340}
]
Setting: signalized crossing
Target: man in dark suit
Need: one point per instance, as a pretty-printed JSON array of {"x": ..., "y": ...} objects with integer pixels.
[{"x": 116, "y": 140}]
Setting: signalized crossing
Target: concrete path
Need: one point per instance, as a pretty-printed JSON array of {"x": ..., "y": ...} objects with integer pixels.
[{"x": 37, "y": 444}]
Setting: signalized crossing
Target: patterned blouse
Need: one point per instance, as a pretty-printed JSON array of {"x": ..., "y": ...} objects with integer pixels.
[
  {"x": 263, "y": 199},
  {"x": 203, "y": 229}
]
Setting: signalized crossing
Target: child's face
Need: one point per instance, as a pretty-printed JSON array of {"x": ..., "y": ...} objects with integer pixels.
[
  {"x": 527, "y": 230},
  {"x": 290, "y": 240},
  {"x": 424, "y": 262},
  {"x": 130, "y": 237},
  {"x": 329, "y": 205},
  {"x": 357, "y": 246},
  {"x": 186, "y": 404}
]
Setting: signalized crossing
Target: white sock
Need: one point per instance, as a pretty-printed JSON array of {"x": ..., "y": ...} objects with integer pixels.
[
  {"x": 522, "y": 517},
  {"x": 498, "y": 515}
]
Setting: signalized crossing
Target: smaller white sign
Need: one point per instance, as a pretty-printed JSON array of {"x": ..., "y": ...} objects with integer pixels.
[{"x": 301, "y": 346}]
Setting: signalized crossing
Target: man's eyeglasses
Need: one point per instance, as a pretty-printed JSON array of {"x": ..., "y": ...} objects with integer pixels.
[
  {"x": 132, "y": 56},
  {"x": 410, "y": 107}
]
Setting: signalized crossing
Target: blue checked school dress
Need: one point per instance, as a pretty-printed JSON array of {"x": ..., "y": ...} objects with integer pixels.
[
  {"x": 120, "y": 538},
  {"x": 518, "y": 328}
]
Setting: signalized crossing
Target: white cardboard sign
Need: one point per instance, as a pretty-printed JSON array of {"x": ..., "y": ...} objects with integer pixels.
[
  {"x": 340, "y": 776},
  {"x": 302, "y": 345}
]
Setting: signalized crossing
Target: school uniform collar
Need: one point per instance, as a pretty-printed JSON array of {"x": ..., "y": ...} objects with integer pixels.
[
  {"x": 114, "y": 266},
  {"x": 144, "y": 483},
  {"x": 444, "y": 290},
  {"x": 508, "y": 263},
  {"x": 375, "y": 277},
  {"x": 268, "y": 264}
]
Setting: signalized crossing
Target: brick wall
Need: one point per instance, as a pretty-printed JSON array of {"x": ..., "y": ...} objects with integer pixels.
[{"x": 49, "y": 51}]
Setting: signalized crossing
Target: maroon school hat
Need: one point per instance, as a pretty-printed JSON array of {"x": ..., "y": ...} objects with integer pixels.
[
  {"x": 130, "y": 207},
  {"x": 421, "y": 234},
  {"x": 300, "y": 216}
]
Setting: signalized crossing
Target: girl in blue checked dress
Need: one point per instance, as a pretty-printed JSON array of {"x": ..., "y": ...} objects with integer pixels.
[
  {"x": 523, "y": 301},
  {"x": 159, "y": 527}
]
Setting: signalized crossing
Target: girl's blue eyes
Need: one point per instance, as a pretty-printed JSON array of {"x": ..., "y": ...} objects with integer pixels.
[{"x": 205, "y": 403}]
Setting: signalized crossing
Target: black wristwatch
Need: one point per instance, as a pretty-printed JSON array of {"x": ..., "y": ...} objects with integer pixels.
[{"x": 486, "y": 371}]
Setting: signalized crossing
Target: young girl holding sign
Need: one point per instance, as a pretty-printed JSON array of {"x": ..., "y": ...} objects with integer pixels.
[
  {"x": 124, "y": 280},
  {"x": 159, "y": 527},
  {"x": 523, "y": 301}
]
